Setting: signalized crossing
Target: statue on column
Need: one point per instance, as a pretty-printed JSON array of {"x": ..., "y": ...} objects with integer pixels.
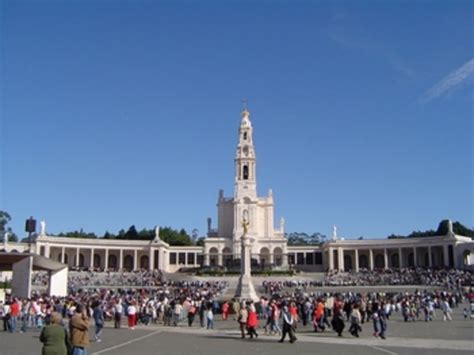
[
  {"x": 282, "y": 225},
  {"x": 157, "y": 233},
  {"x": 334, "y": 233},
  {"x": 450, "y": 228},
  {"x": 42, "y": 228},
  {"x": 5, "y": 239}
]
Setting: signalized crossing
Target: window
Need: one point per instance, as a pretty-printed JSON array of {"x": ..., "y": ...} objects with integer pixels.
[
  {"x": 245, "y": 136},
  {"x": 291, "y": 258},
  {"x": 191, "y": 258},
  {"x": 172, "y": 258},
  {"x": 300, "y": 258},
  {"x": 318, "y": 258},
  {"x": 246, "y": 172},
  {"x": 182, "y": 258},
  {"x": 200, "y": 259},
  {"x": 309, "y": 259}
]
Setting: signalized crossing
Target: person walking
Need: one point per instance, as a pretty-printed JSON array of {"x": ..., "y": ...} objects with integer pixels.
[
  {"x": 446, "y": 308},
  {"x": 118, "y": 310},
  {"x": 355, "y": 318},
  {"x": 79, "y": 331},
  {"x": 288, "y": 326},
  {"x": 210, "y": 318},
  {"x": 252, "y": 321},
  {"x": 242, "y": 319},
  {"x": 98, "y": 316},
  {"x": 54, "y": 337},
  {"x": 132, "y": 315}
]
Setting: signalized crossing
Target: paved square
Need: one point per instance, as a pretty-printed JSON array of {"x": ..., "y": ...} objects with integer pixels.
[{"x": 434, "y": 338}]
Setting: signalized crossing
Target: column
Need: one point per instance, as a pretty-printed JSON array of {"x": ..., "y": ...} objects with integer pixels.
[
  {"x": 385, "y": 258},
  {"x": 63, "y": 250},
  {"x": 106, "y": 261},
  {"x": 331, "y": 259},
  {"x": 340, "y": 258},
  {"x": 446, "y": 255},
  {"x": 356, "y": 260},
  {"x": 121, "y": 260},
  {"x": 206, "y": 258},
  {"x": 151, "y": 258},
  {"x": 371, "y": 259},
  {"x": 430, "y": 259},
  {"x": 135, "y": 261},
  {"x": 400, "y": 258},
  {"x": 91, "y": 261},
  {"x": 220, "y": 261},
  {"x": 284, "y": 260},
  {"x": 415, "y": 259},
  {"x": 272, "y": 258},
  {"x": 77, "y": 256},
  {"x": 47, "y": 251}
]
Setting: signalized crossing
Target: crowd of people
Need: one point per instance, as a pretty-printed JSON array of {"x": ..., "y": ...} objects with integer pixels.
[{"x": 451, "y": 279}]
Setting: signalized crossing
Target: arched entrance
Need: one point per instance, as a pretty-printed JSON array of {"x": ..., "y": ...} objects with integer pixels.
[
  {"x": 347, "y": 262},
  {"x": 97, "y": 260},
  {"x": 227, "y": 257},
  {"x": 213, "y": 256},
  {"x": 144, "y": 262},
  {"x": 363, "y": 261},
  {"x": 395, "y": 260},
  {"x": 112, "y": 262},
  {"x": 128, "y": 262},
  {"x": 264, "y": 257},
  {"x": 379, "y": 261},
  {"x": 278, "y": 256}
]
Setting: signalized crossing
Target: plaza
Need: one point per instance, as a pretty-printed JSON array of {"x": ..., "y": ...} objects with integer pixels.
[{"x": 434, "y": 338}]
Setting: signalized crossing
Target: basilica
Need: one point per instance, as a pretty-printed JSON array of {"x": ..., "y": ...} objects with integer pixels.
[{"x": 269, "y": 248}]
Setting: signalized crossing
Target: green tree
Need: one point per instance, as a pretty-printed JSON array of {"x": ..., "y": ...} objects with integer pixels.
[{"x": 5, "y": 218}]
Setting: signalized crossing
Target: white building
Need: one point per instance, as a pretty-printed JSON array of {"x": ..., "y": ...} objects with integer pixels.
[{"x": 269, "y": 247}]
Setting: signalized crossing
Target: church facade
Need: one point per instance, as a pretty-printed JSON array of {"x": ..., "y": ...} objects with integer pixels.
[{"x": 269, "y": 248}]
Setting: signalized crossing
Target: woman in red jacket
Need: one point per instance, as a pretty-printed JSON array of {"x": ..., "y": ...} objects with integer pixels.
[{"x": 252, "y": 321}]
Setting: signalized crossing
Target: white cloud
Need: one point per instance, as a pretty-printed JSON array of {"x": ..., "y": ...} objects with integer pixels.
[{"x": 450, "y": 82}]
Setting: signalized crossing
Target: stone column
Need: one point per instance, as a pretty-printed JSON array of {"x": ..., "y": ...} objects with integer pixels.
[
  {"x": 284, "y": 261},
  {"x": 151, "y": 258},
  {"x": 121, "y": 259},
  {"x": 220, "y": 261},
  {"x": 272, "y": 258},
  {"x": 385, "y": 258},
  {"x": 400, "y": 258},
  {"x": 135, "y": 261},
  {"x": 206, "y": 258},
  {"x": 340, "y": 258},
  {"x": 106, "y": 261},
  {"x": 331, "y": 259},
  {"x": 91, "y": 261},
  {"x": 415, "y": 258},
  {"x": 77, "y": 256},
  {"x": 356, "y": 260},
  {"x": 430, "y": 259},
  {"x": 446, "y": 255},
  {"x": 63, "y": 251},
  {"x": 371, "y": 259},
  {"x": 47, "y": 251}
]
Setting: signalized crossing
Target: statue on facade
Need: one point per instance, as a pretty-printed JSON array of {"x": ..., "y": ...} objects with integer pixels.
[
  {"x": 334, "y": 233},
  {"x": 282, "y": 225},
  {"x": 450, "y": 227},
  {"x": 5, "y": 239},
  {"x": 42, "y": 228},
  {"x": 157, "y": 233}
]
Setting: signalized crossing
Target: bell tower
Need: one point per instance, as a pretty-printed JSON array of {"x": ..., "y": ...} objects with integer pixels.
[{"x": 245, "y": 185}]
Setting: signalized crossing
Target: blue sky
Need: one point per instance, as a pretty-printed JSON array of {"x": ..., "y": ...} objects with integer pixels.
[{"x": 116, "y": 113}]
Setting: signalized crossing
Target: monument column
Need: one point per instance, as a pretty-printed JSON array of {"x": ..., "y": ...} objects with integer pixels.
[
  {"x": 430, "y": 259},
  {"x": 400, "y": 258},
  {"x": 415, "y": 259},
  {"x": 77, "y": 257},
  {"x": 220, "y": 260},
  {"x": 47, "y": 251},
  {"x": 63, "y": 251},
  {"x": 356, "y": 259},
  {"x": 371, "y": 259},
  {"x": 385, "y": 258},
  {"x": 135, "y": 257}
]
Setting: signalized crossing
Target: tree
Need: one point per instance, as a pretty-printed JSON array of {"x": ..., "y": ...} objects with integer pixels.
[{"x": 4, "y": 219}]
